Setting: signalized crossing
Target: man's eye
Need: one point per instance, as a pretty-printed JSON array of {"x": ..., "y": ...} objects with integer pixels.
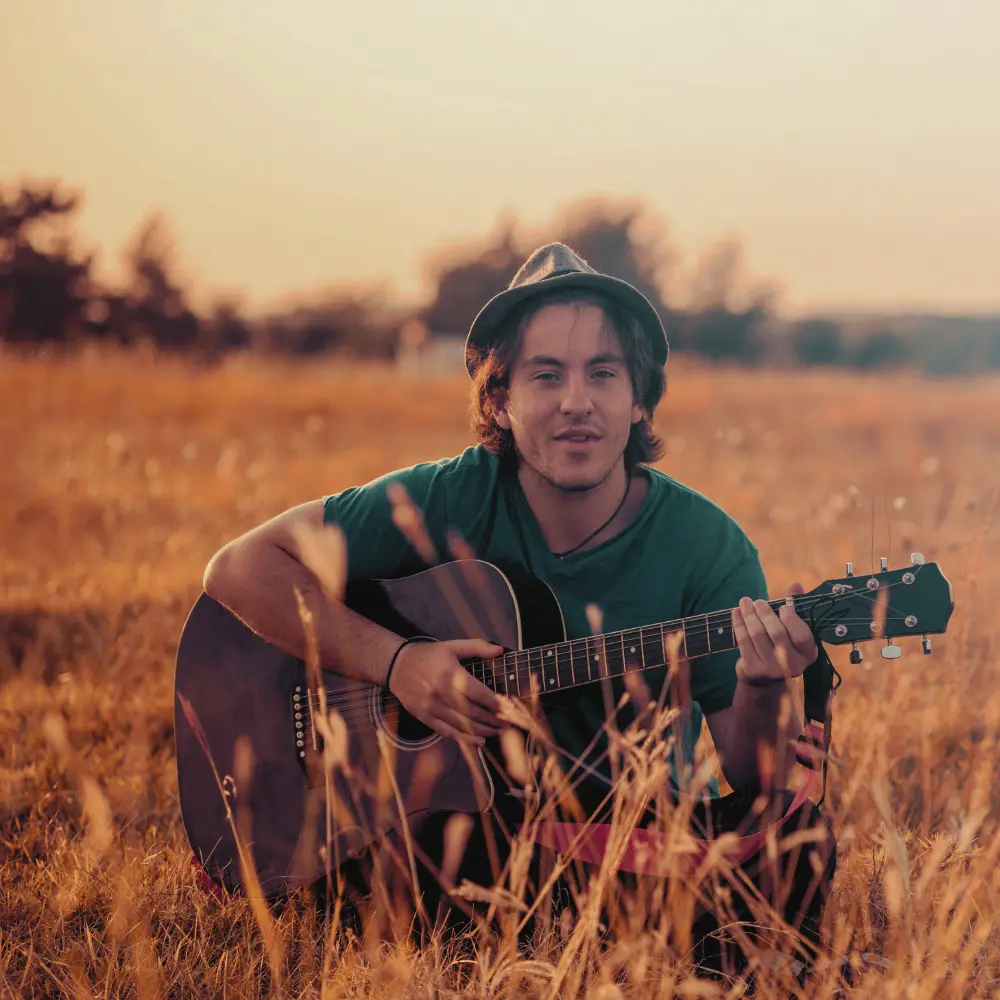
[
  {"x": 547, "y": 376},
  {"x": 605, "y": 373}
]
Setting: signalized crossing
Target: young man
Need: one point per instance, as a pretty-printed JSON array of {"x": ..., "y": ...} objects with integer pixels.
[{"x": 568, "y": 366}]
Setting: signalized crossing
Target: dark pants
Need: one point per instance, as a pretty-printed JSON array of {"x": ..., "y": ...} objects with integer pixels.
[{"x": 794, "y": 886}]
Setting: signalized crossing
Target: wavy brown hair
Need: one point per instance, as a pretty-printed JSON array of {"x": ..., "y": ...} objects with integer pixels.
[{"x": 492, "y": 366}]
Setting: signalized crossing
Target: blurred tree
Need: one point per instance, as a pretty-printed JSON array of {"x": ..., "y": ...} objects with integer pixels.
[
  {"x": 468, "y": 281},
  {"x": 618, "y": 238},
  {"x": 817, "y": 342},
  {"x": 727, "y": 310},
  {"x": 881, "y": 349},
  {"x": 348, "y": 320},
  {"x": 157, "y": 304},
  {"x": 723, "y": 334},
  {"x": 44, "y": 285}
]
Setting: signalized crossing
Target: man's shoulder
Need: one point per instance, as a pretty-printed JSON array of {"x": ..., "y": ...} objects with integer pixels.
[
  {"x": 699, "y": 517},
  {"x": 472, "y": 471}
]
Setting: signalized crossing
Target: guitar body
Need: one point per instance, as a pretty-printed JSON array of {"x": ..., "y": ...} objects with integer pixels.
[{"x": 240, "y": 686}]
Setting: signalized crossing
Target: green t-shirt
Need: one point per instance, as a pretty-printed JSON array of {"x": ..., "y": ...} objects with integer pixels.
[{"x": 681, "y": 556}]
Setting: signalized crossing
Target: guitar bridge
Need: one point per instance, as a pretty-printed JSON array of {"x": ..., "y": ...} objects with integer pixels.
[{"x": 302, "y": 715}]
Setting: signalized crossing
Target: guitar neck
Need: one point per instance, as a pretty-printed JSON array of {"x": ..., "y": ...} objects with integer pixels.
[{"x": 574, "y": 662}]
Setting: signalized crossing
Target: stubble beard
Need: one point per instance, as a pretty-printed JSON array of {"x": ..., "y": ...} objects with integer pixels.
[{"x": 564, "y": 487}]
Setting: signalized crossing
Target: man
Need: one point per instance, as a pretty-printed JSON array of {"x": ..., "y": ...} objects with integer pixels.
[{"x": 568, "y": 366}]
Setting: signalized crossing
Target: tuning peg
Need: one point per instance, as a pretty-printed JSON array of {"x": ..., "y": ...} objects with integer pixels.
[
  {"x": 885, "y": 564},
  {"x": 890, "y": 651},
  {"x": 850, "y": 569},
  {"x": 926, "y": 643},
  {"x": 856, "y": 655},
  {"x": 917, "y": 558}
]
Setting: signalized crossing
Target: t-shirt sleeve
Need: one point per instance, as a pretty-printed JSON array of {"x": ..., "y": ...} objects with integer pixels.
[
  {"x": 713, "y": 678},
  {"x": 376, "y": 547}
]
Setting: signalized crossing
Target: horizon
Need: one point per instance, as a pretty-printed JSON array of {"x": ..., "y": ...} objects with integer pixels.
[{"x": 853, "y": 151}]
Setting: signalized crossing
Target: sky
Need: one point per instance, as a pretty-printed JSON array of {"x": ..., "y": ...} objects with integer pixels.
[{"x": 854, "y": 146}]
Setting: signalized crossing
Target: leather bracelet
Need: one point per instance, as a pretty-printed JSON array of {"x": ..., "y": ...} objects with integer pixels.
[{"x": 399, "y": 649}]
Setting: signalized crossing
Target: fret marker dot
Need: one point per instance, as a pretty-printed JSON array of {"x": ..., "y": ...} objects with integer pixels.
[
  {"x": 631, "y": 649},
  {"x": 549, "y": 653},
  {"x": 721, "y": 631},
  {"x": 511, "y": 676},
  {"x": 552, "y": 680},
  {"x": 596, "y": 658}
]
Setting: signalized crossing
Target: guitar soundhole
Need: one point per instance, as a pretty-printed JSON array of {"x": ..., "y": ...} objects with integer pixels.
[{"x": 405, "y": 727}]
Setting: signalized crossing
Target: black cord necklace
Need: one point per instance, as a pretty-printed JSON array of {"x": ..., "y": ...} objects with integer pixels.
[{"x": 593, "y": 534}]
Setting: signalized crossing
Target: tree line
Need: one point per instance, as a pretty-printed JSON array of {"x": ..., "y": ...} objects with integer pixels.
[{"x": 49, "y": 295}]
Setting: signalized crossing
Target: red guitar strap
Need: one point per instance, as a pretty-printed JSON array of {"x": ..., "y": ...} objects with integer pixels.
[{"x": 645, "y": 852}]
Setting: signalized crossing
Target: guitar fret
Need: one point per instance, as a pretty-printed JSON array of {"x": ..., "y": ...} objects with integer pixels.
[
  {"x": 558, "y": 666},
  {"x": 632, "y": 650},
  {"x": 550, "y": 669},
  {"x": 650, "y": 635},
  {"x": 611, "y": 655}
]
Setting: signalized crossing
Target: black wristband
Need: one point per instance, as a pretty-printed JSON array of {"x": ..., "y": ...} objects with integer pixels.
[{"x": 399, "y": 649}]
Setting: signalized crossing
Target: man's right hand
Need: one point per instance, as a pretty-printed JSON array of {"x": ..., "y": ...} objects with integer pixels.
[{"x": 433, "y": 686}]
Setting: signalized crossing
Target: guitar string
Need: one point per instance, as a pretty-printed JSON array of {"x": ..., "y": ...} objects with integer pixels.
[
  {"x": 357, "y": 705},
  {"x": 354, "y": 702},
  {"x": 713, "y": 620},
  {"x": 523, "y": 667},
  {"x": 525, "y": 670},
  {"x": 360, "y": 700}
]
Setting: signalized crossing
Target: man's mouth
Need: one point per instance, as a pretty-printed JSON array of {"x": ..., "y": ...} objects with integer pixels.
[{"x": 577, "y": 437}]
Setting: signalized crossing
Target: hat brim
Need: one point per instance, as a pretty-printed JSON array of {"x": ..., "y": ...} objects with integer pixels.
[{"x": 483, "y": 332}]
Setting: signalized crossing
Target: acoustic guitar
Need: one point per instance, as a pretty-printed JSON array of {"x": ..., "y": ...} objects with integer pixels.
[{"x": 306, "y": 817}]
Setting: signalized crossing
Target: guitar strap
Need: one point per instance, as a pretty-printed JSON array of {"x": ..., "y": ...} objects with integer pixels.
[{"x": 645, "y": 852}]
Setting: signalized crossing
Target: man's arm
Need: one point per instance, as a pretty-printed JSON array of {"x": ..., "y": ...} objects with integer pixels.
[
  {"x": 773, "y": 649},
  {"x": 756, "y": 719},
  {"x": 256, "y": 575}
]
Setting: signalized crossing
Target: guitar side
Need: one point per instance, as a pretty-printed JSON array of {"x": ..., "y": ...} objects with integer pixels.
[{"x": 239, "y": 685}]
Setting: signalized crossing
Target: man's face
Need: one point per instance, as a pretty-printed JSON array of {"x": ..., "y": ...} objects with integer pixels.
[{"x": 570, "y": 403}]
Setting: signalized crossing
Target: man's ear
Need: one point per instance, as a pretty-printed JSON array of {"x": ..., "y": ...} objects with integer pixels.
[
  {"x": 499, "y": 401},
  {"x": 500, "y": 409},
  {"x": 637, "y": 413}
]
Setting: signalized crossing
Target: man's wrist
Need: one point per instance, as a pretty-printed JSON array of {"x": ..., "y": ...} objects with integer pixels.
[{"x": 763, "y": 685}]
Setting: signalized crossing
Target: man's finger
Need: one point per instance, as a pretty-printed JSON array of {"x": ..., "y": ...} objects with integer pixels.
[
  {"x": 798, "y": 631},
  {"x": 468, "y": 689},
  {"x": 466, "y": 649},
  {"x": 748, "y": 650},
  {"x": 778, "y": 634},
  {"x": 467, "y": 725},
  {"x": 451, "y": 733},
  {"x": 755, "y": 629},
  {"x": 477, "y": 714}
]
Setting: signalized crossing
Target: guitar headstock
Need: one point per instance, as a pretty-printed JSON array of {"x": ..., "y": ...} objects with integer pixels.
[{"x": 913, "y": 601}]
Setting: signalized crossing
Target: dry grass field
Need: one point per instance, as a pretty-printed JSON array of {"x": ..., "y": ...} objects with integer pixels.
[{"x": 119, "y": 480}]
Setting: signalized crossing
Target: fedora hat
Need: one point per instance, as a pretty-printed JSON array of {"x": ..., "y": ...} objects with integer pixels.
[{"x": 555, "y": 267}]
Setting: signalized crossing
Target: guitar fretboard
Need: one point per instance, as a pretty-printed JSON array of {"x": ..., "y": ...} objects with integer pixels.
[{"x": 574, "y": 662}]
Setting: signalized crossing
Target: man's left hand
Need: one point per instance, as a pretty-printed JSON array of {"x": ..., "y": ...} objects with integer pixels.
[{"x": 773, "y": 647}]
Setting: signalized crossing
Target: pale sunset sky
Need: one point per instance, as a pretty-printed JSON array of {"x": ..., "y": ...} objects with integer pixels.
[{"x": 854, "y": 145}]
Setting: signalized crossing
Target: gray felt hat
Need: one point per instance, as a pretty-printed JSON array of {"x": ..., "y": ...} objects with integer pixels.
[{"x": 555, "y": 267}]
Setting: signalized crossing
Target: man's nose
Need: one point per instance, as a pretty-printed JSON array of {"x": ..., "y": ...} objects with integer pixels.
[{"x": 576, "y": 396}]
